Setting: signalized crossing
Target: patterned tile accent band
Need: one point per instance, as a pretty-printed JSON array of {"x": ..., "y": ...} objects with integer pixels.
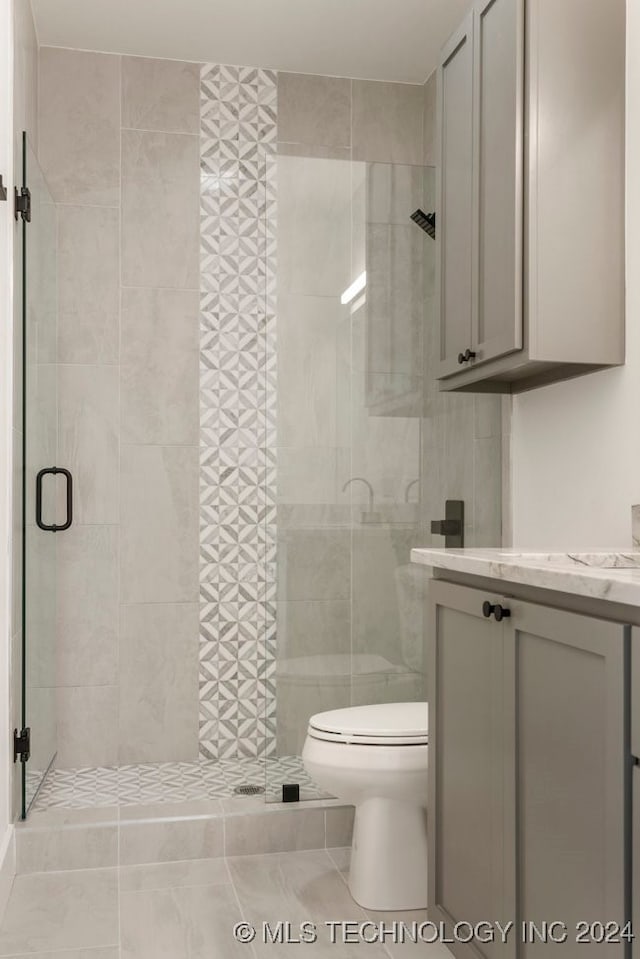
[{"x": 238, "y": 157}]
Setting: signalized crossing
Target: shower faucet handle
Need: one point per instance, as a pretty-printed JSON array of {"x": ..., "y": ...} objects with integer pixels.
[{"x": 452, "y": 526}]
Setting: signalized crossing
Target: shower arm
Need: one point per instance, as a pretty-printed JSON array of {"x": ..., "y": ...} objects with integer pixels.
[
  {"x": 408, "y": 489},
  {"x": 361, "y": 479}
]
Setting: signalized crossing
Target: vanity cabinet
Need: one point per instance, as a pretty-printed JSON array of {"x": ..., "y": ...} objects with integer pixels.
[
  {"x": 635, "y": 751},
  {"x": 528, "y": 776},
  {"x": 530, "y": 204}
]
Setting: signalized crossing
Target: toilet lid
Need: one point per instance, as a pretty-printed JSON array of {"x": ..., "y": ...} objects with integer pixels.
[{"x": 386, "y": 724}]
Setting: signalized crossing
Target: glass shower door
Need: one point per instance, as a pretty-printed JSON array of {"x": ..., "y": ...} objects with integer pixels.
[{"x": 41, "y": 487}]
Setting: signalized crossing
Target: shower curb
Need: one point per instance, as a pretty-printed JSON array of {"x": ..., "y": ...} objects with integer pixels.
[{"x": 101, "y": 837}]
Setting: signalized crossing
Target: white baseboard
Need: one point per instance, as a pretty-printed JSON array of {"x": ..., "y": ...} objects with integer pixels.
[{"x": 7, "y": 867}]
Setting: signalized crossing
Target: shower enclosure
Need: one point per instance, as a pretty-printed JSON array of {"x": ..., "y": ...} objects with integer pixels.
[
  {"x": 355, "y": 291},
  {"x": 254, "y": 446},
  {"x": 40, "y": 506}
]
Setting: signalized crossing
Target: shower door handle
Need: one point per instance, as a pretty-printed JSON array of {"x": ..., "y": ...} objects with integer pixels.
[{"x": 53, "y": 528}]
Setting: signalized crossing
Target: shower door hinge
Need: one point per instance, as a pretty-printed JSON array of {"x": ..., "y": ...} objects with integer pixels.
[
  {"x": 23, "y": 203},
  {"x": 21, "y": 745}
]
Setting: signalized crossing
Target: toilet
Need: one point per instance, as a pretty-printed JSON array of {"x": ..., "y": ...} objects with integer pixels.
[{"x": 376, "y": 758}]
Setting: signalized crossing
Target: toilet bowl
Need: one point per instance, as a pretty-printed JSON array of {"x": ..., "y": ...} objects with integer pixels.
[{"x": 376, "y": 758}]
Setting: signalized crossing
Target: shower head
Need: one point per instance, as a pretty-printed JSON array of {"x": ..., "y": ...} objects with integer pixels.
[{"x": 427, "y": 221}]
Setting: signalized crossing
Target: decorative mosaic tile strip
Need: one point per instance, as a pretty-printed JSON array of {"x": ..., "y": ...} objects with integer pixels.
[
  {"x": 171, "y": 782},
  {"x": 238, "y": 147}
]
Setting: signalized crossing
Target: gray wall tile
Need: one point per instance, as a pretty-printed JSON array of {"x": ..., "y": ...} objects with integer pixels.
[
  {"x": 87, "y": 586},
  {"x": 274, "y": 831},
  {"x": 339, "y": 820},
  {"x": 171, "y": 840},
  {"x": 314, "y": 226},
  {"x": 16, "y": 533},
  {"x": 79, "y": 125},
  {"x": 308, "y": 627},
  {"x": 387, "y": 122},
  {"x": 158, "y": 682},
  {"x": 88, "y": 439},
  {"x": 487, "y": 510},
  {"x": 59, "y": 848},
  {"x": 160, "y": 95},
  {"x": 314, "y": 564},
  {"x": 307, "y": 474},
  {"x": 159, "y": 524},
  {"x": 305, "y": 150},
  {"x": 88, "y": 726},
  {"x": 160, "y": 203},
  {"x": 429, "y": 120},
  {"x": 88, "y": 284},
  {"x": 308, "y": 329},
  {"x": 314, "y": 110},
  {"x": 159, "y": 367}
]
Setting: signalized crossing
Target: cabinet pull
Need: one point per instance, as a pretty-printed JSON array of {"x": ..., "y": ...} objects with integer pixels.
[
  {"x": 466, "y": 356},
  {"x": 499, "y": 612}
]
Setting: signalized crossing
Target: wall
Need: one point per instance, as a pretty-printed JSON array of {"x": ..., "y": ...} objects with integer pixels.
[
  {"x": 167, "y": 652},
  {"x": 576, "y": 452},
  {"x": 348, "y": 152},
  {"x": 238, "y": 394},
  {"x": 357, "y": 398},
  {"x": 119, "y": 143},
  {"x": 462, "y": 434}
]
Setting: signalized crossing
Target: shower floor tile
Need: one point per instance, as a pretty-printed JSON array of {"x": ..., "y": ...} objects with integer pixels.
[{"x": 171, "y": 782}]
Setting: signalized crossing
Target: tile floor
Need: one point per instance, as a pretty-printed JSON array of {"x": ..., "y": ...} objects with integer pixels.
[
  {"x": 187, "y": 910},
  {"x": 171, "y": 782}
]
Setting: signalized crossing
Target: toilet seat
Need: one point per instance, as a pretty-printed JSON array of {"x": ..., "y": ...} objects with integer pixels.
[{"x": 385, "y": 724}]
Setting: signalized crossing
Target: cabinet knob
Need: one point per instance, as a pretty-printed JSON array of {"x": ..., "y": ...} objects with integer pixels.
[
  {"x": 466, "y": 356},
  {"x": 487, "y": 609},
  {"x": 500, "y": 612}
]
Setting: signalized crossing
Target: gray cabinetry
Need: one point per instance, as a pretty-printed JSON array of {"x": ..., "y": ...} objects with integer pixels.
[
  {"x": 528, "y": 769},
  {"x": 498, "y": 42},
  {"x": 467, "y": 773},
  {"x": 531, "y": 290},
  {"x": 635, "y": 751},
  {"x": 455, "y": 186},
  {"x": 566, "y": 677}
]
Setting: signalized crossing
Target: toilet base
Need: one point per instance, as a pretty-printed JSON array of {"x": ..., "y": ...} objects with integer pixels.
[{"x": 389, "y": 855}]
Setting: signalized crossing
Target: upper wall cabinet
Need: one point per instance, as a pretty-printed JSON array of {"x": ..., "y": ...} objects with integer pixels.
[{"x": 530, "y": 238}]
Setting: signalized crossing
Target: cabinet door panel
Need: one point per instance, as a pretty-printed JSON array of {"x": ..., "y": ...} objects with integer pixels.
[
  {"x": 498, "y": 177},
  {"x": 466, "y": 762},
  {"x": 570, "y": 775},
  {"x": 635, "y": 879},
  {"x": 455, "y": 189},
  {"x": 635, "y": 691}
]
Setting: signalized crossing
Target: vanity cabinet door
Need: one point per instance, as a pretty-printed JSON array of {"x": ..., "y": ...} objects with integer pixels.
[
  {"x": 635, "y": 797},
  {"x": 498, "y": 177},
  {"x": 466, "y": 801},
  {"x": 455, "y": 196},
  {"x": 565, "y": 691}
]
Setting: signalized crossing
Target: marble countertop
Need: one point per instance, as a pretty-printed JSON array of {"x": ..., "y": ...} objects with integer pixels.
[{"x": 615, "y": 578}]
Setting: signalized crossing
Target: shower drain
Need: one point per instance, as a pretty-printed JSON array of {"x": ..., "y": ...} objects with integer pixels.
[{"x": 248, "y": 790}]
